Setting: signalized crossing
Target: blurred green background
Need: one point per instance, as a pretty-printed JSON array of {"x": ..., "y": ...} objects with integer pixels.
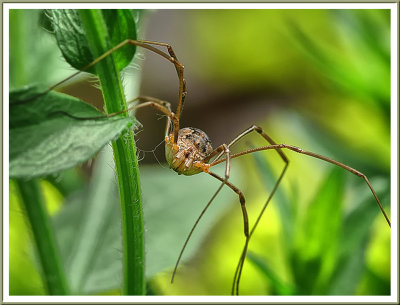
[{"x": 316, "y": 79}]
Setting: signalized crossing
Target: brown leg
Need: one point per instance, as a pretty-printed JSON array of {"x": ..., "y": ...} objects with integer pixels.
[
  {"x": 234, "y": 188},
  {"x": 179, "y": 69},
  {"x": 146, "y": 45},
  {"x": 160, "y": 105},
  {"x": 191, "y": 231},
  {"x": 314, "y": 155},
  {"x": 279, "y": 147},
  {"x": 241, "y": 199},
  {"x": 241, "y": 135},
  {"x": 239, "y": 268},
  {"x": 225, "y": 149},
  {"x": 144, "y": 101}
]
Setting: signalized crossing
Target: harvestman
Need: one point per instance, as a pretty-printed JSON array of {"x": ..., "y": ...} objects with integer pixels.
[{"x": 188, "y": 150}]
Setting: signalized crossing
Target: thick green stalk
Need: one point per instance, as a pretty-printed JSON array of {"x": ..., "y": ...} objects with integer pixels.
[
  {"x": 53, "y": 273},
  {"x": 124, "y": 154}
]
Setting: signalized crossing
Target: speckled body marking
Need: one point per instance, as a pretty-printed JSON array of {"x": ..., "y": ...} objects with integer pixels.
[{"x": 187, "y": 155}]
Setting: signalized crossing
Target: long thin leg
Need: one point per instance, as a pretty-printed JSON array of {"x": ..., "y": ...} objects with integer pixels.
[
  {"x": 179, "y": 69},
  {"x": 239, "y": 267},
  {"x": 191, "y": 231},
  {"x": 145, "y": 101},
  {"x": 241, "y": 199},
  {"x": 241, "y": 135},
  {"x": 223, "y": 148},
  {"x": 146, "y": 45},
  {"x": 278, "y": 148},
  {"x": 83, "y": 69},
  {"x": 314, "y": 155},
  {"x": 158, "y": 104},
  {"x": 234, "y": 188},
  {"x": 246, "y": 232},
  {"x": 171, "y": 57},
  {"x": 238, "y": 271}
]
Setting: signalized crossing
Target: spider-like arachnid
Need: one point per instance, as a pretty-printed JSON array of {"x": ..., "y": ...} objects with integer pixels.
[{"x": 188, "y": 150}]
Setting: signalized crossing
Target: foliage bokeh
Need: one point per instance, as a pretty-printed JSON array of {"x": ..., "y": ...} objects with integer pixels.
[{"x": 317, "y": 79}]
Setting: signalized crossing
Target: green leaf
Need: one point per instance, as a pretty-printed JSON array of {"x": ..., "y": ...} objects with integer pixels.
[
  {"x": 72, "y": 39},
  {"x": 369, "y": 28},
  {"x": 357, "y": 224},
  {"x": 355, "y": 237},
  {"x": 318, "y": 243},
  {"x": 34, "y": 55},
  {"x": 23, "y": 261},
  {"x": 43, "y": 142},
  {"x": 286, "y": 210},
  {"x": 347, "y": 276},
  {"x": 89, "y": 234},
  {"x": 346, "y": 66},
  {"x": 94, "y": 260},
  {"x": 278, "y": 287}
]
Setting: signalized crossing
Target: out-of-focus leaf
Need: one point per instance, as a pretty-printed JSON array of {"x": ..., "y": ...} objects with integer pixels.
[
  {"x": 278, "y": 286},
  {"x": 348, "y": 273},
  {"x": 211, "y": 269},
  {"x": 323, "y": 58},
  {"x": 366, "y": 36},
  {"x": 94, "y": 214},
  {"x": 370, "y": 28},
  {"x": 356, "y": 234},
  {"x": 374, "y": 285},
  {"x": 357, "y": 224},
  {"x": 318, "y": 243},
  {"x": 285, "y": 209},
  {"x": 21, "y": 252},
  {"x": 72, "y": 40},
  {"x": 88, "y": 231},
  {"x": 67, "y": 181},
  {"x": 42, "y": 142},
  {"x": 23, "y": 255},
  {"x": 34, "y": 55},
  {"x": 347, "y": 66},
  {"x": 369, "y": 142},
  {"x": 171, "y": 205}
]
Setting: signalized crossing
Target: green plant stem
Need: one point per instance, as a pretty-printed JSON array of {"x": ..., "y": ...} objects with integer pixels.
[
  {"x": 125, "y": 157},
  {"x": 53, "y": 273}
]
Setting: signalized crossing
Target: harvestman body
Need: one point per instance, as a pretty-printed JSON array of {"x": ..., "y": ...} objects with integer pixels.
[{"x": 188, "y": 150}]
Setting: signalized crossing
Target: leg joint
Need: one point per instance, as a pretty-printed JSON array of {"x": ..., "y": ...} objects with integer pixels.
[{"x": 257, "y": 128}]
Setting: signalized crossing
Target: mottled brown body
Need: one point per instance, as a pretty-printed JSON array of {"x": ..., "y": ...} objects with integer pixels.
[{"x": 188, "y": 154}]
